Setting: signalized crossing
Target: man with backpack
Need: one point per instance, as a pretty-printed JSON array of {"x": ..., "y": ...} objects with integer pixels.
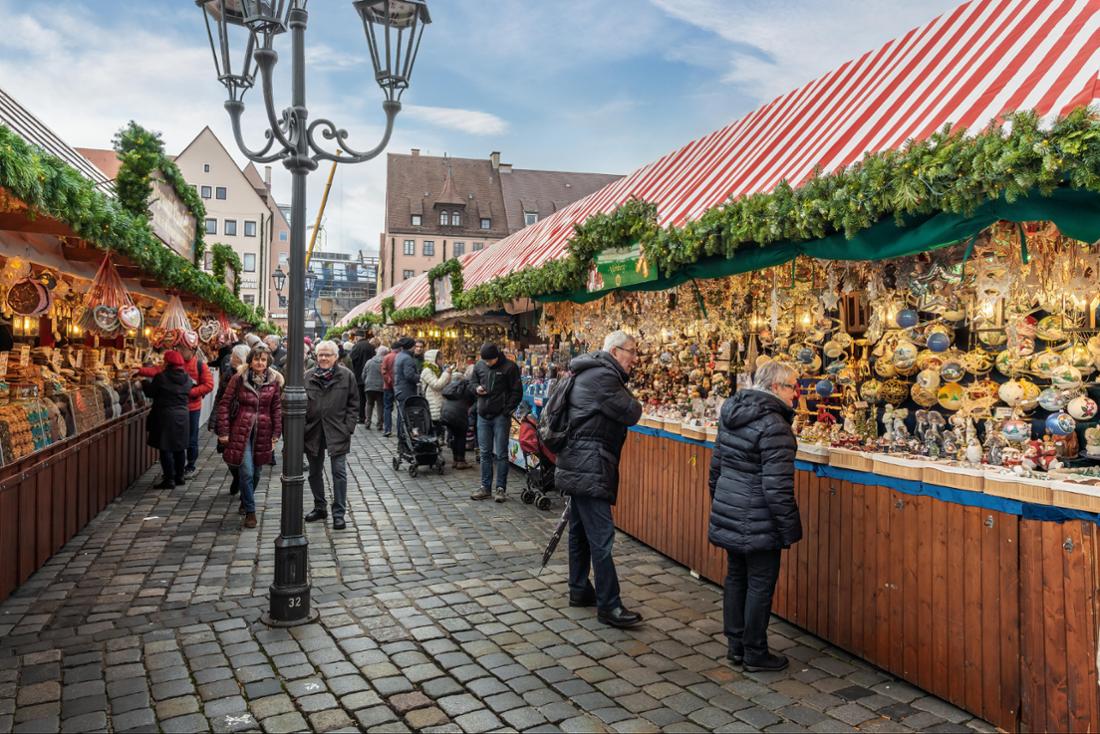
[{"x": 595, "y": 408}]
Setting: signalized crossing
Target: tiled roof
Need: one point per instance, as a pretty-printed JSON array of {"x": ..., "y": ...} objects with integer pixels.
[
  {"x": 105, "y": 159},
  {"x": 415, "y": 183},
  {"x": 545, "y": 192}
]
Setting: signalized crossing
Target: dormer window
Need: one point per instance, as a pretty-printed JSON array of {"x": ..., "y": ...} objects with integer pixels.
[
  {"x": 530, "y": 218},
  {"x": 456, "y": 219},
  {"x": 444, "y": 219},
  {"x": 416, "y": 220},
  {"x": 486, "y": 223}
]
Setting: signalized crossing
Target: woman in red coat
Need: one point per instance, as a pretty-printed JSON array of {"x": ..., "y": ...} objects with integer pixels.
[{"x": 250, "y": 421}]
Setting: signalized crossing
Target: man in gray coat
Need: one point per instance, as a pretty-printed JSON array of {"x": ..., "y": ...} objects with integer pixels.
[
  {"x": 406, "y": 380},
  {"x": 332, "y": 413}
]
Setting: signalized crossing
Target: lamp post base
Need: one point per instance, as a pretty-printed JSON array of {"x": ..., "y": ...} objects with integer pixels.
[
  {"x": 267, "y": 619},
  {"x": 289, "y": 595}
]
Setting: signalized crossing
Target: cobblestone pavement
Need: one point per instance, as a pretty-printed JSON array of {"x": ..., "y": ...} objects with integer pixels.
[{"x": 431, "y": 618}]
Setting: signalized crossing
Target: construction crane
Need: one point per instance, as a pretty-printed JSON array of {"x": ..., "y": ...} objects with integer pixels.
[{"x": 321, "y": 211}]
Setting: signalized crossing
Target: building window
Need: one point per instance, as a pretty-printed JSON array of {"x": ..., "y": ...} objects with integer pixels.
[
  {"x": 231, "y": 227},
  {"x": 211, "y": 226},
  {"x": 249, "y": 299},
  {"x": 249, "y": 229},
  {"x": 250, "y": 263},
  {"x": 530, "y": 218},
  {"x": 410, "y": 247},
  {"x": 429, "y": 247},
  {"x": 284, "y": 258},
  {"x": 460, "y": 248},
  {"x": 486, "y": 223},
  {"x": 206, "y": 168},
  {"x": 444, "y": 218},
  {"x": 282, "y": 301},
  {"x": 456, "y": 219},
  {"x": 416, "y": 220},
  {"x": 208, "y": 261},
  {"x": 477, "y": 246},
  {"x": 406, "y": 274},
  {"x": 282, "y": 237},
  {"x": 204, "y": 192},
  {"x": 219, "y": 192}
]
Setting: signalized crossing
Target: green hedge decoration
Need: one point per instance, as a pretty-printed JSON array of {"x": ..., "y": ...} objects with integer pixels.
[
  {"x": 141, "y": 152},
  {"x": 224, "y": 257},
  {"x": 50, "y": 186}
]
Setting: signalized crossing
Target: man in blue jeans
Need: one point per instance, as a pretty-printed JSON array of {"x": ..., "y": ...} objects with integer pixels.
[{"x": 499, "y": 389}]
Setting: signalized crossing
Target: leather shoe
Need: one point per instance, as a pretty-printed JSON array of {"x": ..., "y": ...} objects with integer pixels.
[
  {"x": 584, "y": 600},
  {"x": 315, "y": 515},
  {"x": 620, "y": 617},
  {"x": 735, "y": 657},
  {"x": 338, "y": 523},
  {"x": 769, "y": 663}
]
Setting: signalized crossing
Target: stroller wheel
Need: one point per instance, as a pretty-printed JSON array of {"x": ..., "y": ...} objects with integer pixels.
[
  {"x": 543, "y": 503},
  {"x": 396, "y": 463},
  {"x": 412, "y": 470},
  {"x": 527, "y": 496}
]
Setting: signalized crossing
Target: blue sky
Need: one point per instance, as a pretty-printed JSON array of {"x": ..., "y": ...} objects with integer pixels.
[{"x": 561, "y": 84}]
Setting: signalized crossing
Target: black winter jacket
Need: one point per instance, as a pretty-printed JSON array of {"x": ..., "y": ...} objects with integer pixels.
[
  {"x": 502, "y": 381},
  {"x": 361, "y": 353},
  {"x": 601, "y": 409},
  {"x": 458, "y": 398},
  {"x": 169, "y": 421},
  {"x": 752, "y": 475}
]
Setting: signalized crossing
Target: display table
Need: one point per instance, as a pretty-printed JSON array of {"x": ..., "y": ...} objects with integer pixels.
[
  {"x": 49, "y": 496},
  {"x": 984, "y": 600}
]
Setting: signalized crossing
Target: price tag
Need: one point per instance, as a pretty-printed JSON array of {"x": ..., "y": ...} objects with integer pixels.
[
  {"x": 24, "y": 355},
  {"x": 861, "y": 404},
  {"x": 78, "y": 359},
  {"x": 3, "y": 364}
]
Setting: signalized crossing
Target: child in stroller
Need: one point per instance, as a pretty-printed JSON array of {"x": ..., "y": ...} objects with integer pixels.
[
  {"x": 538, "y": 459},
  {"x": 420, "y": 442}
]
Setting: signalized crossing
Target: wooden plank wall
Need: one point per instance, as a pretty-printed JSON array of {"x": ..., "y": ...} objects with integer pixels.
[
  {"x": 994, "y": 613},
  {"x": 47, "y": 498}
]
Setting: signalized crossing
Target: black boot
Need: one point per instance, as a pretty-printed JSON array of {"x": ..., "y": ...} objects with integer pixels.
[
  {"x": 620, "y": 617},
  {"x": 315, "y": 515},
  {"x": 769, "y": 663}
]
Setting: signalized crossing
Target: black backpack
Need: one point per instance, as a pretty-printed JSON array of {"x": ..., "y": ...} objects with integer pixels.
[{"x": 554, "y": 418}]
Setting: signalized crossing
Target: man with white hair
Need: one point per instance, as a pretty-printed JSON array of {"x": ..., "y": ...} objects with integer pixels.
[
  {"x": 754, "y": 515},
  {"x": 601, "y": 409},
  {"x": 332, "y": 413}
]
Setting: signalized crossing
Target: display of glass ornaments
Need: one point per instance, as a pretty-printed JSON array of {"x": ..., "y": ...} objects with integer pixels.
[
  {"x": 1052, "y": 399},
  {"x": 1060, "y": 424},
  {"x": 1016, "y": 430},
  {"x": 1082, "y": 408},
  {"x": 950, "y": 396},
  {"x": 939, "y": 341}
]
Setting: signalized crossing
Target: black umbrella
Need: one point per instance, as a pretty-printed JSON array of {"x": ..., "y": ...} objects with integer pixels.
[{"x": 555, "y": 537}]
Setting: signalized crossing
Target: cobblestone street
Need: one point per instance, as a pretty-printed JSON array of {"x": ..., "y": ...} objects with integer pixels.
[{"x": 432, "y": 618}]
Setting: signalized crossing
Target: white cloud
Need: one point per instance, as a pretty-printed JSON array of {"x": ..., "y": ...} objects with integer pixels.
[
  {"x": 472, "y": 122},
  {"x": 322, "y": 57},
  {"x": 779, "y": 45}
]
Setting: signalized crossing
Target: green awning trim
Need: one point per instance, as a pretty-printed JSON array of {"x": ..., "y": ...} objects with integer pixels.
[{"x": 1075, "y": 212}]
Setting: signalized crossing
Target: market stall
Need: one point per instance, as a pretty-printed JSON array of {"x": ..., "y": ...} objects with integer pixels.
[{"x": 88, "y": 294}]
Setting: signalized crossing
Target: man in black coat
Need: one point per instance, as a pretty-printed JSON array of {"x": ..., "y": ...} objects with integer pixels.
[
  {"x": 499, "y": 389},
  {"x": 753, "y": 510},
  {"x": 361, "y": 353},
  {"x": 601, "y": 409}
]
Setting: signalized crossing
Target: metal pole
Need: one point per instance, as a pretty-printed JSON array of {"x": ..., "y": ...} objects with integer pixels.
[{"x": 290, "y": 592}]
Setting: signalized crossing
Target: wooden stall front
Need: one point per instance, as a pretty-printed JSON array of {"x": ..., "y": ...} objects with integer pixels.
[
  {"x": 993, "y": 611},
  {"x": 49, "y": 496}
]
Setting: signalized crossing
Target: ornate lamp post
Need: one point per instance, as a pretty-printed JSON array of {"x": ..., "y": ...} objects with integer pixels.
[
  {"x": 279, "y": 279},
  {"x": 242, "y": 35}
]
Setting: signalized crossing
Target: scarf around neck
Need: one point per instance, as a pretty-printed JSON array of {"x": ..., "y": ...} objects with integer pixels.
[
  {"x": 258, "y": 381},
  {"x": 436, "y": 369},
  {"x": 324, "y": 376}
]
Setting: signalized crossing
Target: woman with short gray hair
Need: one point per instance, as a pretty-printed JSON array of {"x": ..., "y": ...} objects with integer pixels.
[{"x": 753, "y": 514}]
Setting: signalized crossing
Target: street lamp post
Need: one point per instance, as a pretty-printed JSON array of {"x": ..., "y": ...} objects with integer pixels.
[{"x": 242, "y": 35}]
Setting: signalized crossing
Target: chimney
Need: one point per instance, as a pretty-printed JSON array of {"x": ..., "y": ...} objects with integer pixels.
[
  {"x": 505, "y": 167},
  {"x": 495, "y": 158},
  {"x": 416, "y": 152},
  {"x": 267, "y": 177}
]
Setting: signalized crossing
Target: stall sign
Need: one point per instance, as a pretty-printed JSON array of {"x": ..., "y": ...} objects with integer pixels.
[
  {"x": 442, "y": 287},
  {"x": 170, "y": 218},
  {"x": 617, "y": 267},
  {"x": 24, "y": 355}
]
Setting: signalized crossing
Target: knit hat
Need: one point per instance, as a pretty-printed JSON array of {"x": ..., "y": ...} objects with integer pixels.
[
  {"x": 408, "y": 343},
  {"x": 490, "y": 351},
  {"x": 172, "y": 358}
]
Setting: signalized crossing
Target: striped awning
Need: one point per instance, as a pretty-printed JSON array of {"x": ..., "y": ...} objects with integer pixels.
[
  {"x": 967, "y": 68},
  {"x": 415, "y": 291}
]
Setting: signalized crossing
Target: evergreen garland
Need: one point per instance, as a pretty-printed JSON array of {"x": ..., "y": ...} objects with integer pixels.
[
  {"x": 141, "y": 152},
  {"x": 451, "y": 267},
  {"x": 51, "y": 187},
  {"x": 224, "y": 257}
]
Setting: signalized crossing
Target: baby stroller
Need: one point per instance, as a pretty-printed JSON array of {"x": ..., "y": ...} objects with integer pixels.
[
  {"x": 419, "y": 443},
  {"x": 539, "y": 461}
]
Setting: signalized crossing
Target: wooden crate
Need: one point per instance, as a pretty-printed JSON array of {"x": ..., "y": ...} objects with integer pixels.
[
  {"x": 695, "y": 433},
  {"x": 1017, "y": 488},
  {"x": 898, "y": 468},
  {"x": 1076, "y": 496},
  {"x": 848, "y": 459},
  {"x": 955, "y": 477}
]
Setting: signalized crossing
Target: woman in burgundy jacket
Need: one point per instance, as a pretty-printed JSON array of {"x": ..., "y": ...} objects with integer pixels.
[{"x": 250, "y": 421}]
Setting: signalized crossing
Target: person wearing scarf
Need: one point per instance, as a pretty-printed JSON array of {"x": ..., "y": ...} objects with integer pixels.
[{"x": 332, "y": 412}]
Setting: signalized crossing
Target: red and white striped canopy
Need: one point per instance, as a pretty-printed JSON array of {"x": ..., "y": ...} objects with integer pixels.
[
  {"x": 967, "y": 68},
  {"x": 415, "y": 291}
]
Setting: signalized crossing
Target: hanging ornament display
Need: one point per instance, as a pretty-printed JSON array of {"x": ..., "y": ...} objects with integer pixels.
[{"x": 104, "y": 301}]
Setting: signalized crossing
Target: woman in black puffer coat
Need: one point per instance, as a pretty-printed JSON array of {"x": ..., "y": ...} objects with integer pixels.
[{"x": 753, "y": 511}]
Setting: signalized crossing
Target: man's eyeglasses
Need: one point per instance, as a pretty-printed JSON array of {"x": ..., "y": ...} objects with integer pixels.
[
  {"x": 789, "y": 386},
  {"x": 628, "y": 351}
]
